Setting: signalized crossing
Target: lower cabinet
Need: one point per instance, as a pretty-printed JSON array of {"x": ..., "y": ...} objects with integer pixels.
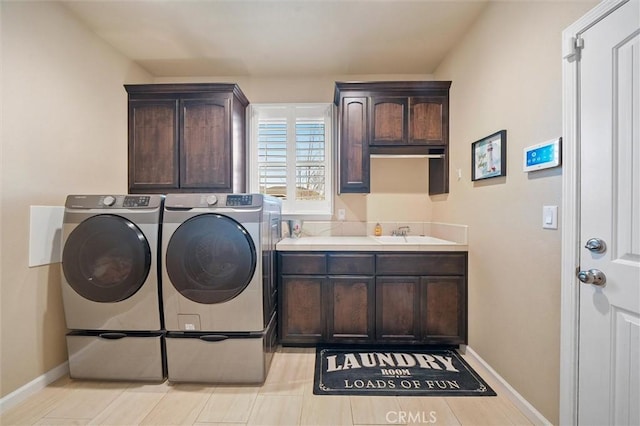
[
  {"x": 444, "y": 303},
  {"x": 395, "y": 298},
  {"x": 301, "y": 318},
  {"x": 350, "y": 315},
  {"x": 398, "y": 309},
  {"x": 424, "y": 309}
]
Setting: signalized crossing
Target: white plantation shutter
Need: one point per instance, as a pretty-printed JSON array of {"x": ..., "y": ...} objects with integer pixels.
[
  {"x": 272, "y": 157},
  {"x": 310, "y": 159},
  {"x": 291, "y": 155}
]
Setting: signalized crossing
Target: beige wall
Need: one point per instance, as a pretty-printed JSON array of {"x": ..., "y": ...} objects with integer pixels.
[
  {"x": 507, "y": 75},
  {"x": 64, "y": 130}
]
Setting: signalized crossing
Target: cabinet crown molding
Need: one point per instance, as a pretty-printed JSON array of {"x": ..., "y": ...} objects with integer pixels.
[
  {"x": 187, "y": 88},
  {"x": 400, "y": 88}
]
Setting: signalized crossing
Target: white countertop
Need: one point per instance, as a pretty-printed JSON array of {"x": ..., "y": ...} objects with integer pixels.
[{"x": 369, "y": 243}]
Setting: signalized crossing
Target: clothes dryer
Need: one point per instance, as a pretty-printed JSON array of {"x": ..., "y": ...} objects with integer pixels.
[
  {"x": 219, "y": 285},
  {"x": 110, "y": 286}
]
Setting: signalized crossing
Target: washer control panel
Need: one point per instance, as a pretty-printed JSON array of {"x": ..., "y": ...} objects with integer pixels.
[
  {"x": 136, "y": 201},
  {"x": 239, "y": 200},
  {"x": 114, "y": 201},
  {"x": 212, "y": 201}
]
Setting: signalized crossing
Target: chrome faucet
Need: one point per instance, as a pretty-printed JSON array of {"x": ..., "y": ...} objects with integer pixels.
[{"x": 402, "y": 231}]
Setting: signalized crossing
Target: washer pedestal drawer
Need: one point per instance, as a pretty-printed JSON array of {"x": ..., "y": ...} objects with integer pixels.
[
  {"x": 212, "y": 357},
  {"x": 105, "y": 355}
]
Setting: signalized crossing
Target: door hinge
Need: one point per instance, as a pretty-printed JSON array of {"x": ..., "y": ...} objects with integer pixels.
[{"x": 572, "y": 48}]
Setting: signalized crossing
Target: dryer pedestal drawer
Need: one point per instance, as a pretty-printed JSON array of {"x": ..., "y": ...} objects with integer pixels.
[
  {"x": 108, "y": 355},
  {"x": 210, "y": 357}
]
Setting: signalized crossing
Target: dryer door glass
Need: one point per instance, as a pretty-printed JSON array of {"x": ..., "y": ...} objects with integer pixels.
[
  {"x": 106, "y": 258},
  {"x": 210, "y": 259}
]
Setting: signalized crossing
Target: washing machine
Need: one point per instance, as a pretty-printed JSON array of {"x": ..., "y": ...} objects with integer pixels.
[
  {"x": 219, "y": 286},
  {"x": 110, "y": 287}
]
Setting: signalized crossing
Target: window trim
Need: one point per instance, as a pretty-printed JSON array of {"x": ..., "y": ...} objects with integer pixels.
[{"x": 292, "y": 111}]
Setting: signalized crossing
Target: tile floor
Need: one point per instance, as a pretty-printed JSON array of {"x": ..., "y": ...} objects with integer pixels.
[{"x": 286, "y": 398}]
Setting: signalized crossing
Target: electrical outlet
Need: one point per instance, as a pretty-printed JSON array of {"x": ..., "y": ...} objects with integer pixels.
[{"x": 341, "y": 214}]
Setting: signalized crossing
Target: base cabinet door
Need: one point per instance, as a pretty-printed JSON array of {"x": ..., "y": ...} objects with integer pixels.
[
  {"x": 443, "y": 320},
  {"x": 398, "y": 309},
  {"x": 302, "y": 316},
  {"x": 350, "y": 309}
]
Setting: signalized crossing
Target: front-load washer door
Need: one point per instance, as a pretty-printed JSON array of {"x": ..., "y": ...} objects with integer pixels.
[
  {"x": 106, "y": 258},
  {"x": 210, "y": 259}
]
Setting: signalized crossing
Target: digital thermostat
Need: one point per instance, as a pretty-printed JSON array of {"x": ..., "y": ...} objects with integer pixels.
[{"x": 542, "y": 156}]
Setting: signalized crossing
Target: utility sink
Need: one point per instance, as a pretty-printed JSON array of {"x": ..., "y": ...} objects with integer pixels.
[{"x": 410, "y": 239}]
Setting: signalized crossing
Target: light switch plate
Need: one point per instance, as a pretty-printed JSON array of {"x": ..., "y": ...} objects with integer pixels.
[
  {"x": 341, "y": 214},
  {"x": 550, "y": 217}
]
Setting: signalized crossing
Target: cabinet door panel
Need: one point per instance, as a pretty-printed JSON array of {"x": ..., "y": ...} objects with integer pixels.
[
  {"x": 354, "y": 146},
  {"x": 427, "y": 124},
  {"x": 398, "y": 308},
  {"x": 439, "y": 174},
  {"x": 302, "y": 318},
  {"x": 388, "y": 121},
  {"x": 206, "y": 145},
  {"x": 153, "y": 146},
  {"x": 444, "y": 317},
  {"x": 350, "y": 308},
  {"x": 350, "y": 264},
  {"x": 303, "y": 263},
  {"x": 421, "y": 263}
]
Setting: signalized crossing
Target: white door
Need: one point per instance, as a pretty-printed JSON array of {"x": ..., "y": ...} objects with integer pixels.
[{"x": 609, "y": 314}]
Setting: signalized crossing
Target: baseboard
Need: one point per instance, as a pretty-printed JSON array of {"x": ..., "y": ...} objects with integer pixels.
[
  {"x": 37, "y": 384},
  {"x": 518, "y": 400}
]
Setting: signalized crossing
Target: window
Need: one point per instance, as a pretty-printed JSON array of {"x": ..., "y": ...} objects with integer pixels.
[{"x": 291, "y": 156}]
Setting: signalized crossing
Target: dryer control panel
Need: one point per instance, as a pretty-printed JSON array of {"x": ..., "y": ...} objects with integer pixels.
[
  {"x": 239, "y": 200},
  {"x": 213, "y": 201},
  {"x": 114, "y": 201},
  {"x": 136, "y": 201}
]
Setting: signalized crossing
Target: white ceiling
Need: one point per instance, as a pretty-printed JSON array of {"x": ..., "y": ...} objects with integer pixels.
[{"x": 280, "y": 38}]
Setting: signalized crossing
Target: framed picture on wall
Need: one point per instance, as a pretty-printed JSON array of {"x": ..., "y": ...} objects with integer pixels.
[{"x": 489, "y": 156}]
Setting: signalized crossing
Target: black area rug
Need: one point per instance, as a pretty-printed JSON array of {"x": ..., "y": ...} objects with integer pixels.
[{"x": 397, "y": 372}]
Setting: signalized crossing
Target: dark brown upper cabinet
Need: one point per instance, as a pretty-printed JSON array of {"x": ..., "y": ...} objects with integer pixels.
[
  {"x": 187, "y": 138},
  {"x": 354, "y": 146},
  {"x": 428, "y": 124},
  {"x": 389, "y": 121},
  {"x": 392, "y": 118}
]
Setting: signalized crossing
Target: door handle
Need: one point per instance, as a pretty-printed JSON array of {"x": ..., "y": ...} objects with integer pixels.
[
  {"x": 213, "y": 337},
  {"x": 596, "y": 245},
  {"x": 112, "y": 336},
  {"x": 593, "y": 276}
]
